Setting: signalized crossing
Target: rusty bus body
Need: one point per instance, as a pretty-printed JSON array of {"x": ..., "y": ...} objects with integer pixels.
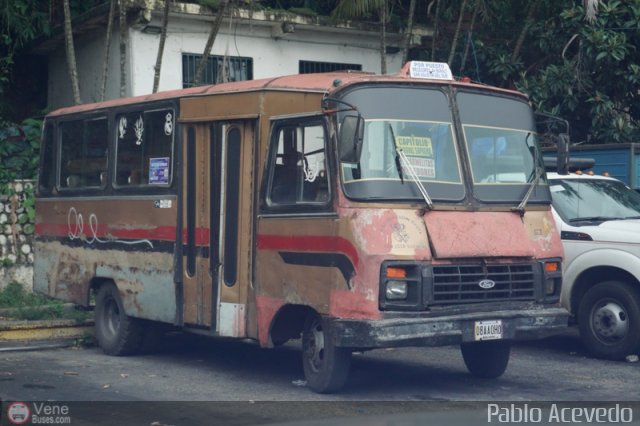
[{"x": 168, "y": 207}]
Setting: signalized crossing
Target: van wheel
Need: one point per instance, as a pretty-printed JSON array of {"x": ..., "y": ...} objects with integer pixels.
[
  {"x": 326, "y": 366},
  {"x": 117, "y": 333},
  {"x": 487, "y": 360},
  {"x": 609, "y": 320}
]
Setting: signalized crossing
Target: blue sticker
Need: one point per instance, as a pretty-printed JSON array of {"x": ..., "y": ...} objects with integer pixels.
[{"x": 159, "y": 171}]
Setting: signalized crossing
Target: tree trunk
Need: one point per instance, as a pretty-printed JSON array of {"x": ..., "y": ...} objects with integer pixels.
[
  {"x": 435, "y": 31},
  {"x": 383, "y": 38},
  {"x": 407, "y": 39},
  {"x": 163, "y": 38},
  {"x": 71, "y": 53},
  {"x": 123, "y": 48},
  {"x": 456, "y": 35},
  {"x": 524, "y": 31},
  {"x": 212, "y": 37},
  {"x": 469, "y": 41},
  {"x": 107, "y": 45}
]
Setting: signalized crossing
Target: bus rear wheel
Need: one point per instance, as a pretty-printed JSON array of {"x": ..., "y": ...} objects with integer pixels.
[
  {"x": 326, "y": 366},
  {"x": 487, "y": 360},
  {"x": 116, "y": 332}
]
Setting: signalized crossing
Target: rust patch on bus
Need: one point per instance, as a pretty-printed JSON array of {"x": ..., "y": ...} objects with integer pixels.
[
  {"x": 541, "y": 230},
  {"x": 477, "y": 234},
  {"x": 266, "y": 308}
]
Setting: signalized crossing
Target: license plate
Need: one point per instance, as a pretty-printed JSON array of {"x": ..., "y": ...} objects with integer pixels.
[{"x": 488, "y": 330}]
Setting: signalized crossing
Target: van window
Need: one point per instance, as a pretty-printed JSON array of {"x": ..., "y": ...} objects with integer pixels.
[
  {"x": 298, "y": 166},
  {"x": 144, "y": 148},
  {"x": 83, "y": 153}
]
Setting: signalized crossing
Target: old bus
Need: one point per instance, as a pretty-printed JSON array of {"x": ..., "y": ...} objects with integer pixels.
[{"x": 351, "y": 210}]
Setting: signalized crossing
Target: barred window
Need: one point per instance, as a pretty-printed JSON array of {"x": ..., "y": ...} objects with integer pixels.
[
  {"x": 309, "y": 67},
  {"x": 238, "y": 69}
]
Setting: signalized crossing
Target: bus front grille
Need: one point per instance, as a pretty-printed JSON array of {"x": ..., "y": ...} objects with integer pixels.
[{"x": 455, "y": 284}]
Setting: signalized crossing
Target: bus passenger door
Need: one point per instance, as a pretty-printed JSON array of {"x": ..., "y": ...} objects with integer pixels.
[{"x": 217, "y": 204}]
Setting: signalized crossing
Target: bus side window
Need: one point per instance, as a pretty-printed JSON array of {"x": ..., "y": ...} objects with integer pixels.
[
  {"x": 48, "y": 165},
  {"x": 83, "y": 153},
  {"x": 298, "y": 172},
  {"x": 144, "y": 148}
]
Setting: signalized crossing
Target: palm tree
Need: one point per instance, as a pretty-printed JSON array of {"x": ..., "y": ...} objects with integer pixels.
[
  {"x": 107, "y": 45},
  {"x": 123, "y": 47},
  {"x": 212, "y": 37},
  {"x": 409, "y": 30},
  {"x": 163, "y": 38},
  {"x": 456, "y": 35},
  {"x": 349, "y": 9},
  {"x": 436, "y": 20},
  {"x": 525, "y": 29},
  {"x": 591, "y": 10},
  {"x": 71, "y": 53}
]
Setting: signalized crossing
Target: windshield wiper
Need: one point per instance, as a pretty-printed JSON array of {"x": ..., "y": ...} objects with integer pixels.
[
  {"x": 401, "y": 156},
  {"x": 525, "y": 200},
  {"x": 595, "y": 219},
  {"x": 397, "y": 158}
]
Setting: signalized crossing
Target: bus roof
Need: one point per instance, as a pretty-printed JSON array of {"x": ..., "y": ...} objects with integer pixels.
[{"x": 320, "y": 82}]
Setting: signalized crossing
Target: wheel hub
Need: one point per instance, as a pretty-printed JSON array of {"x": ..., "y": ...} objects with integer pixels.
[
  {"x": 112, "y": 317},
  {"x": 314, "y": 348},
  {"x": 610, "y": 322}
]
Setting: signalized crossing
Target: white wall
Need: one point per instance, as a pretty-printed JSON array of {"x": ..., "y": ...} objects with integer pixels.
[{"x": 272, "y": 56}]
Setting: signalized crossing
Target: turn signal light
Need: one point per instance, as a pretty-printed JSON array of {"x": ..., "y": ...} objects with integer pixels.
[
  {"x": 394, "y": 272},
  {"x": 551, "y": 267}
]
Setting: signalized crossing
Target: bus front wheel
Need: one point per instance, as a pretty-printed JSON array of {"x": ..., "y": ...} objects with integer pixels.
[
  {"x": 116, "y": 332},
  {"x": 488, "y": 359},
  {"x": 326, "y": 366}
]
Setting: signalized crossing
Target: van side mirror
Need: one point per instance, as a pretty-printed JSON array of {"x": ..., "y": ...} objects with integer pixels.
[
  {"x": 351, "y": 138},
  {"x": 563, "y": 154}
]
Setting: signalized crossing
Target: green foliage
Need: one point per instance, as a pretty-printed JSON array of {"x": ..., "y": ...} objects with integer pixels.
[
  {"x": 586, "y": 73},
  {"x": 19, "y": 151},
  {"x": 23, "y": 305},
  {"x": 14, "y": 296}
]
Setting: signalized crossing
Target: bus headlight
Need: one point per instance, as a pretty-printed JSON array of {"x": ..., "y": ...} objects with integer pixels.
[{"x": 396, "y": 290}]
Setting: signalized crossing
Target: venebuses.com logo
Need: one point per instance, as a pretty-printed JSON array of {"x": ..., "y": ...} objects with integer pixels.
[{"x": 18, "y": 413}]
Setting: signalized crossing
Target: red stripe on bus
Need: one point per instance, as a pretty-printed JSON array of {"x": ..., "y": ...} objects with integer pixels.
[{"x": 309, "y": 243}]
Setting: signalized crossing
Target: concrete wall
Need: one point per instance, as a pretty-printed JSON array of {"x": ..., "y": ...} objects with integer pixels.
[
  {"x": 16, "y": 233},
  {"x": 274, "y": 53}
]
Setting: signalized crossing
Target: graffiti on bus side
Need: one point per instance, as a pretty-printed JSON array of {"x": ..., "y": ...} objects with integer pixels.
[{"x": 76, "y": 230}]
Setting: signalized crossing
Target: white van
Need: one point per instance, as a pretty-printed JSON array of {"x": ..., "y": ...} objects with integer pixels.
[{"x": 598, "y": 218}]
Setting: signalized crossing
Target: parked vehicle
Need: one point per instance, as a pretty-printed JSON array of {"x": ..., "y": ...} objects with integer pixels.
[
  {"x": 352, "y": 210},
  {"x": 598, "y": 218},
  {"x": 618, "y": 160}
]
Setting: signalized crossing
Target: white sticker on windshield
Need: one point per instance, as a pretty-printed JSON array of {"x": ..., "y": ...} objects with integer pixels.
[{"x": 556, "y": 188}]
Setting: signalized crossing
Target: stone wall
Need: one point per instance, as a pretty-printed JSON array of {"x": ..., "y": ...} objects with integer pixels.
[{"x": 16, "y": 234}]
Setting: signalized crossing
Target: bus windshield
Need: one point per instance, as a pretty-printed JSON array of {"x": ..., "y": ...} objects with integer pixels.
[
  {"x": 498, "y": 136},
  {"x": 416, "y": 122}
]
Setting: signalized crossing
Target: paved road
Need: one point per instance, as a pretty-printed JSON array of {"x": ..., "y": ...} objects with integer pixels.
[{"x": 191, "y": 368}]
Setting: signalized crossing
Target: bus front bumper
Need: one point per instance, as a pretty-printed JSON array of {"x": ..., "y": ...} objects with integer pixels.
[{"x": 447, "y": 330}]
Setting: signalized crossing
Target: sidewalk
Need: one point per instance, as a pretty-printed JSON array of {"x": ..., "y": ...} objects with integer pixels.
[{"x": 16, "y": 335}]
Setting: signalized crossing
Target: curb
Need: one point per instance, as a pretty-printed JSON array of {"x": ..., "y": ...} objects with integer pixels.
[{"x": 42, "y": 334}]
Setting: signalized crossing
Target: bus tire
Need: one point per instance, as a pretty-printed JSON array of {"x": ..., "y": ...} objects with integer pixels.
[
  {"x": 326, "y": 366},
  {"x": 609, "y": 320},
  {"x": 487, "y": 360},
  {"x": 116, "y": 332}
]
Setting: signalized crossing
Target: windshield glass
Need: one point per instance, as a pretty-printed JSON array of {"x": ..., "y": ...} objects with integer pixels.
[
  {"x": 500, "y": 155},
  {"x": 417, "y": 122},
  {"x": 589, "y": 200},
  {"x": 501, "y": 141}
]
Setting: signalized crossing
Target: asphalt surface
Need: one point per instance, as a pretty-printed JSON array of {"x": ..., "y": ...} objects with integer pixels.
[{"x": 236, "y": 383}]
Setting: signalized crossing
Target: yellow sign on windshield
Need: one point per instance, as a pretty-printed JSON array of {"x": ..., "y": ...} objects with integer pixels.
[{"x": 415, "y": 146}]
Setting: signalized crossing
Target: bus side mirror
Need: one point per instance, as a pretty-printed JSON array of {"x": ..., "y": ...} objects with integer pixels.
[
  {"x": 351, "y": 137},
  {"x": 563, "y": 154}
]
